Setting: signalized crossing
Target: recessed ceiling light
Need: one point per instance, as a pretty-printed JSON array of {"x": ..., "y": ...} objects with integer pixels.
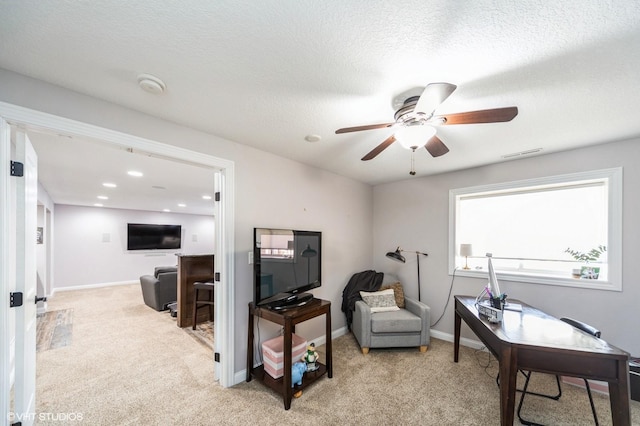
[
  {"x": 312, "y": 138},
  {"x": 206, "y": 197},
  {"x": 166, "y": 210},
  {"x": 98, "y": 205},
  {"x": 182, "y": 205},
  {"x": 102, "y": 197},
  {"x": 134, "y": 173},
  {"x": 151, "y": 83},
  {"x": 109, "y": 185}
]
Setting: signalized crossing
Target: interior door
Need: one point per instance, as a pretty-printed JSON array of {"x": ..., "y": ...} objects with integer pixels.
[
  {"x": 26, "y": 204},
  {"x": 7, "y": 330}
]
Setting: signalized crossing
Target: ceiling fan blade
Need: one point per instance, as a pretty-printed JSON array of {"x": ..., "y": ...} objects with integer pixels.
[
  {"x": 434, "y": 94},
  {"x": 436, "y": 147},
  {"x": 367, "y": 127},
  {"x": 496, "y": 115},
  {"x": 378, "y": 149}
]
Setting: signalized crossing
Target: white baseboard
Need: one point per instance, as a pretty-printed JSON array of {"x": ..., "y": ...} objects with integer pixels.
[
  {"x": 88, "y": 286},
  {"x": 470, "y": 343}
]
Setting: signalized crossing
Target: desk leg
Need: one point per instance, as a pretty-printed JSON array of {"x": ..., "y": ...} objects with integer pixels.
[
  {"x": 250, "y": 347},
  {"x": 286, "y": 382},
  {"x": 508, "y": 376},
  {"x": 619, "y": 396},
  {"x": 456, "y": 338},
  {"x": 329, "y": 345}
]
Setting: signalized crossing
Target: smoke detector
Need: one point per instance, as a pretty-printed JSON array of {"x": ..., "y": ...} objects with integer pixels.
[{"x": 151, "y": 84}]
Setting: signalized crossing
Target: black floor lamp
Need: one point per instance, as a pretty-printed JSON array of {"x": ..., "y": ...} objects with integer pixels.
[
  {"x": 398, "y": 257},
  {"x": 308, "y": 253}
]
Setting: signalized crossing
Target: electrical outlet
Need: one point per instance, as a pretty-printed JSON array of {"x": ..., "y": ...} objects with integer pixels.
[{"x": 250, "y": 257}]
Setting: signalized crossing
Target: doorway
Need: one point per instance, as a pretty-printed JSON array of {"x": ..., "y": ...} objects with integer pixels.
[{"x": 224, "y": 220}]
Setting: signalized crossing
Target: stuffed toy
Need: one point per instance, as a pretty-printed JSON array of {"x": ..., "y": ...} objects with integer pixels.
[
  {"x": 310, "y": 357},
  {"x": 297, "y": 371}
]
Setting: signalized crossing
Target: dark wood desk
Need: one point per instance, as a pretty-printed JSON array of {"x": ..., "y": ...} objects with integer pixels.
[
  {"x": 288, "y": 319},
  {"x": 533, "y": 340}
]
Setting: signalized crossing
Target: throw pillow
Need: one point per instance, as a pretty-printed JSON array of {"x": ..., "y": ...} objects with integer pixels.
[
  {"x": 398, "y": 292},
  {"x": 380, "y": 301}
]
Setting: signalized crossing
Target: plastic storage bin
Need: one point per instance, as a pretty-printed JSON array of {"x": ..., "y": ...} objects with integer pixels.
[{"x": 273, "y": 354}]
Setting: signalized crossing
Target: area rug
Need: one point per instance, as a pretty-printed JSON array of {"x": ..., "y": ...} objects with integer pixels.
[
  {"x": 203, "y": 333},
  {"x": 54, "y": 329}
]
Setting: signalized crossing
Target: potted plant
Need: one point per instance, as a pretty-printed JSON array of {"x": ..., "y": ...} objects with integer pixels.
[{"x": 588, "y": 272}]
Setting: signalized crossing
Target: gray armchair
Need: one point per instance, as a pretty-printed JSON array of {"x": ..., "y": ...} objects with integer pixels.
[
  {"x": 407, "y": 327},
  {"x": 160, "y": 289}
]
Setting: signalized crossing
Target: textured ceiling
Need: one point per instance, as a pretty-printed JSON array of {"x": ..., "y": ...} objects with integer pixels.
[{"x": 267, "y": 73}]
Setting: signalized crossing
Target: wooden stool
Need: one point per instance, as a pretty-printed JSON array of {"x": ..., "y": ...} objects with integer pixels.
[{"x": 197, "y": 304}]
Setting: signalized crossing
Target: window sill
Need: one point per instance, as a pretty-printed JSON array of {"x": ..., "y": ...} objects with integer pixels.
[{"x": 545, "y": 280}]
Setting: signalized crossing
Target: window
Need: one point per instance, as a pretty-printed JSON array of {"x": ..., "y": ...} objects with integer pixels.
[
  {"x": 531, "y": 227},
  {"x": 278, "y": 245}
]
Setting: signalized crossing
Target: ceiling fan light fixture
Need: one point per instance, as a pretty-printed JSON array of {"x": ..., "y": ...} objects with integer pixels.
[{"x": 414, "y": 137}]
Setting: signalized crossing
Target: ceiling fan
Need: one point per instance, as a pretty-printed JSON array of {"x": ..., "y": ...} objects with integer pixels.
[{"x": 416, "y": 121}]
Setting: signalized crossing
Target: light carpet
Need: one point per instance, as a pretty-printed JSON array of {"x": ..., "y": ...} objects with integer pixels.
[{"x": 130, "y": 365}]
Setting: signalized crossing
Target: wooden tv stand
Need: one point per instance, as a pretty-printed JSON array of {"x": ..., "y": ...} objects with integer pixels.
[{"x": 288, "y": 318}]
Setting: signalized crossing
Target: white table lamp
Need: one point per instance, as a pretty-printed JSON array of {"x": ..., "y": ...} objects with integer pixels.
[{"x": 465, "y": 250}]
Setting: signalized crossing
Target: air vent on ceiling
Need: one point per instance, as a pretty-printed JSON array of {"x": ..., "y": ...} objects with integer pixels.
[{"x": 522, "y": 153}]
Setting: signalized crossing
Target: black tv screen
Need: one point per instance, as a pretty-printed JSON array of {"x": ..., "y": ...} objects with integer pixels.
[
  {"x": 285, "y": 263},
  {"x": 143, "y": 236}
]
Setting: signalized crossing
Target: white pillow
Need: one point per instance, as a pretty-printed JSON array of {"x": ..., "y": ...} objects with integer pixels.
[{"x": 380, "y": 301}]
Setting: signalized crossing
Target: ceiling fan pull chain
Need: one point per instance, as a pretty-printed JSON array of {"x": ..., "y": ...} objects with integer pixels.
[{"x": 413, "y": 162}]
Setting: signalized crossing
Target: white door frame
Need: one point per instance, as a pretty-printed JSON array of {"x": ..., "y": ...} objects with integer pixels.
[
  {"x": 224, "y": 256},
  {"x": 5, "y": 230}
]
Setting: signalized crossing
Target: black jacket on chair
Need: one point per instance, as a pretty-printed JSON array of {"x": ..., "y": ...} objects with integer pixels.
[{"x": 362, "y": 281}]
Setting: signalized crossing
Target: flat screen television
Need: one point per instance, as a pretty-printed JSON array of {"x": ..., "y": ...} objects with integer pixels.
[
  {"x": 286, "y": 263},
  {"x": 144, "y": 236}
]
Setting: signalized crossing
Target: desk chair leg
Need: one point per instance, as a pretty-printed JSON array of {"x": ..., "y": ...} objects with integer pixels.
[
  {"x": 525, "y": 392},
  {"x": 526, "y": 375},
  {"x": 593, "y": 407}
]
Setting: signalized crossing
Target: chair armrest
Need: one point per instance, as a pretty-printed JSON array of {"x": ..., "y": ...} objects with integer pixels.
[
  {"x": 424, "y": 312},
  {"x": 582, "y": 326},
  {"x": 417, "y": 308},
  {"x": 148, "y": 281},
  {"x": 168, "y": 279},
  {"x": 361, "y": 324}
]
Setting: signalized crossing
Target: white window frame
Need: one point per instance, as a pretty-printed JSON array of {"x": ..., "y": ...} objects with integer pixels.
[{"x": 614, "y": 243}]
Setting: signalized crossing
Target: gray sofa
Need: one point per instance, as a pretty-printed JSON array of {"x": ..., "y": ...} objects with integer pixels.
[
  {"x": 160, "y": 289},
  {"x": 406, "y": 327}
]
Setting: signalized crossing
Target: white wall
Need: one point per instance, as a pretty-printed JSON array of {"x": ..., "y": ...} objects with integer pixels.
[
  {"x": 44, "y": 251},
  {"x": 91, "y": 244},
  {"x": 294, "y": 196},
  {"x": 414, "y": 215}
]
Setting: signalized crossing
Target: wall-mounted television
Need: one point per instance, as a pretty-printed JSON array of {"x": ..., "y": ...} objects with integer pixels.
[
  {"x": 286, "y": 263},
  {"x": 144, "y": 236}
]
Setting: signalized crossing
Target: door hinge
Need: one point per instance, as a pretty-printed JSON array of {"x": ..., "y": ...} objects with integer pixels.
[
  {"x": 15, "y": 299},
  {"x": 216, "y": 357},
  {"x": 17, "y": 169},
  {"x": 217, "y": 196},
  {"x": 216, "y": 276}
]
